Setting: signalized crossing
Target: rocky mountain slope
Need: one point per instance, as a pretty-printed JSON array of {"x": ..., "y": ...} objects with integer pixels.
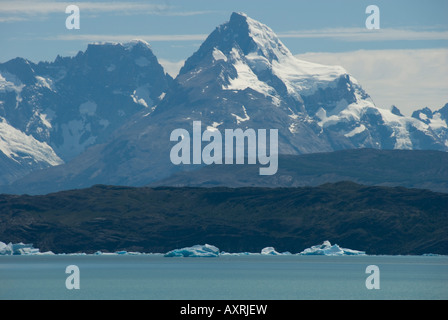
[
  {"x": 242, "y": 76},
  {"x": 51, "y": 112}
]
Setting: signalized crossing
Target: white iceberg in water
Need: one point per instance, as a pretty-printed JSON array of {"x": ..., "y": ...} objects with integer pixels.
[
  {"x": 4, "y": 249},
  {"x": 223, "y": 253},
  {"x": 270, "y": 251},
  {"x": 15, "y": 249},
  {"x": 198, "y": 250},
  {"x": 206, "y": 250},
  {"x": 326, "y": 249}
]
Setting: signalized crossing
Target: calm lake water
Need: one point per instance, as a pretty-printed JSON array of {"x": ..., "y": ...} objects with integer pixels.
[{"x": 224, "y": 278}]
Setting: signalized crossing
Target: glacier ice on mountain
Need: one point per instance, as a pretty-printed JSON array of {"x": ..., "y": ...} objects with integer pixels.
[{"x": 242, "y": 76}]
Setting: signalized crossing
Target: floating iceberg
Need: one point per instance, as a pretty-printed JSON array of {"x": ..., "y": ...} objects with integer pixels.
[
  {"x": 223, "y": 253},
  {"x": 16, "y": 249},
  {"x": 4, "y": 249},
  {"x": 326, "y": 249},
  {"x": 206, "y": 250},
  {"x": 195, "y": 251},
  {"x": 119, "y": 253},
  {"x": 270, "y": 251}
]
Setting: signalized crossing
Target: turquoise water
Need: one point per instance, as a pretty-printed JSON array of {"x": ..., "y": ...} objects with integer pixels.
[{"x": 224, "y": 278}]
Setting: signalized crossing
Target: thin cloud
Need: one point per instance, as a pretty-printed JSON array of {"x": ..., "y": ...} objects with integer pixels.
[
  {"x": 24, "y": 10},
  {"x": 362, "y": 34},
  {"x": 48, "y": 7},
  {"x": 172, "y": 67},
  {"x": 126, "y": 37},
  {"x": 184, "y": 13},
  {"x": 11, "y": 19},
  {"x": 409, "y": 78}
]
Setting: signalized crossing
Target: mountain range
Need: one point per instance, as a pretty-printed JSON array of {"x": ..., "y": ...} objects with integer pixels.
[
  {"x": 52, "y": 112},
  {"x": 105, "y": 115}
]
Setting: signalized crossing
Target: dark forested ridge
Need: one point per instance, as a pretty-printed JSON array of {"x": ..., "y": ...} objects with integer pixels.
[{"x": 378, "y": 220}]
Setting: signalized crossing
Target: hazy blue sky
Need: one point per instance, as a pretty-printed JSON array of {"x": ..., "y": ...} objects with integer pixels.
[{"x": 404, "y": 63}]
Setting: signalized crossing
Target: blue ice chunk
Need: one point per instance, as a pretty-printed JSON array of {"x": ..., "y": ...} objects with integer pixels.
[
  {"x": 198, "y": 250},
  {"x": 326, "y": 249}
]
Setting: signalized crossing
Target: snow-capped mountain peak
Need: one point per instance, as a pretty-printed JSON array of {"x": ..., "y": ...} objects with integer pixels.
[
  {"x": 244, "y": 56},
  {"x": 257, "y": 54},
  {"x": 63, "y": 107},
  {"x": 242, "y": 76},
  {"x": 243, "y": 34},
  {"x": 136, "y": 43},
  {"x": 263, "y": 40}
]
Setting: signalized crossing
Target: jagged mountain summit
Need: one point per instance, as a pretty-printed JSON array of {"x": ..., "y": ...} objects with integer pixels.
[
  {"x": 246, "y": 71},
  {"x": 242, "y": 76},
  {"x": 436, "y": 120},
  {"x": 58, "y": 109}
]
